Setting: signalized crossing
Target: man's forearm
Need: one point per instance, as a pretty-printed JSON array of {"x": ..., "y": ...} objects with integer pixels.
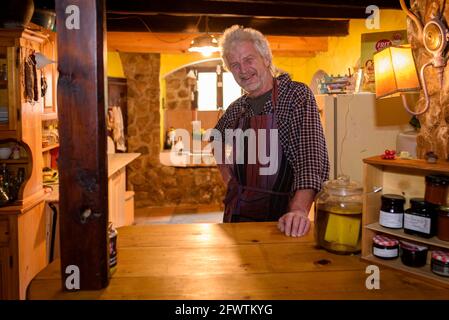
[{"x": 302, "y": 200}]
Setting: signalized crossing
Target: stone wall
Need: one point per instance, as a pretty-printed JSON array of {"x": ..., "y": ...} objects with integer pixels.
[
  {"x": 434, "y": 133},
  {"x": 178, "y": 91},
  {"x": 154, "y": 184}
]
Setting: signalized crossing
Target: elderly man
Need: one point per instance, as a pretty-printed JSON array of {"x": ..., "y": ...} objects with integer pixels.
[{"x": 277, "y": 105}]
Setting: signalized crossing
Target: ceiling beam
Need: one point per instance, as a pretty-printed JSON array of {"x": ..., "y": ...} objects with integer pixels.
[
  {"x": 179, "y": 43},
  {"x": 190, "y": 24},
  {"x": 257, "y": 8}
]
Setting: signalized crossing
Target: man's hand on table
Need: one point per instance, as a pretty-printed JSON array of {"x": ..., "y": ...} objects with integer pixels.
[{"x": 295, "y": 223}]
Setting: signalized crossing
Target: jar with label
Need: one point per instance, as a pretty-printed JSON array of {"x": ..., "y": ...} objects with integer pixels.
[
  {"x": 112, "y": 247},
  {"x": 436, "y": 189},
  {"x": 338, "y": 216},
  {"x": 392, "y": 211},
  {"x": 413, "y": 255},
  {"x": 440, "y": 263},
  {"x": 385, "y": 247},
  {"x": 443, "y": 223},
  {"x": 421, "y": 218}
]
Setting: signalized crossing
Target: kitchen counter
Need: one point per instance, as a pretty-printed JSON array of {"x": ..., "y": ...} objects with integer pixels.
[
  {"x": 232, "y": 261},
  {"x": 116, "y": 161}
]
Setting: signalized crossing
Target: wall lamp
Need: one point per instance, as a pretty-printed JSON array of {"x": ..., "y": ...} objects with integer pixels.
[{"x": 395, "y": 70}]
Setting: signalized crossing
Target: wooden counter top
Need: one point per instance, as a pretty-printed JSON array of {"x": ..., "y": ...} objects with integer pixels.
[
  {"x": 116, "y": 161},
  {"x": 232, "y": 261}
]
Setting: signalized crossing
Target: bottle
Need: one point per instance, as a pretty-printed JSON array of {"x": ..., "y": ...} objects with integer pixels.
[
  {"x": 16, "y": 152},
  {"x": 4, "y": 72},
  {"x": 3, "y": 195},
  {"x": 112, "y": 232},
  {"x": 6, "y": 178}
]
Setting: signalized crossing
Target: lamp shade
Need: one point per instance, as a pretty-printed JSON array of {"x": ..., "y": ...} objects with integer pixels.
[
  {"x": 395, "y": 71},
  {"x": 206, "y": 45}
]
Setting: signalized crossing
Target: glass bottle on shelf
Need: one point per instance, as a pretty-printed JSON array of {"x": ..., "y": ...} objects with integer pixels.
[
  {"x": 3, "y": 72},
  {"x": 3, "y": 195},
  {"x": 6, "y": 178}
]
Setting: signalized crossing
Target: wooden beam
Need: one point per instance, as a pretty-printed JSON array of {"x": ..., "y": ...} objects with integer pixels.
[
  {"x": 179, "y": 43},
  {"x": 282, "y": 9},
  {"x": 176, "y": 24},
  {"x": 82, "y": 164}
]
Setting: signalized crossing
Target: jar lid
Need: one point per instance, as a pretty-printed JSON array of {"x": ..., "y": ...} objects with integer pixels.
[
  {"x": 343, "y": 186},
  {"x": 393, "y": 199},
  {"x": 385, "y": 241},
  {"x": 438, "y": 179},
  {"x": 420, "y": 203},
  {"x": 411, "y": 246},
  {"x": 442, "y": 256}
]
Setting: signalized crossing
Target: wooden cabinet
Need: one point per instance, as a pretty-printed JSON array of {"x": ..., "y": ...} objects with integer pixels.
[
  {"x": 121, "y": 202},
  {"x": 22, "y": 103},
  {"x": 407, "y": 178}
]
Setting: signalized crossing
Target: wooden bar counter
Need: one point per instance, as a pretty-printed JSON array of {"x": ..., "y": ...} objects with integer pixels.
[{"x": 232, "y": 261}]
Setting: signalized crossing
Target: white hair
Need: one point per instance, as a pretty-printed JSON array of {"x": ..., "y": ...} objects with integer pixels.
[{"x": 238, "y": 33}]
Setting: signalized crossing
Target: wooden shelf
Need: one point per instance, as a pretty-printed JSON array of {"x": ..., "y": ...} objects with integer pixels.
[
  {"x": 422, "y": 272},
  {"x": 407, "y": 178},
  {"x": 49, "y": 116},
  {"x": 50, "y": 147},
  {"x": 13, "y": 161},
  {"x": 401, "y": 234},
  {"x": 417, "y": 164}
]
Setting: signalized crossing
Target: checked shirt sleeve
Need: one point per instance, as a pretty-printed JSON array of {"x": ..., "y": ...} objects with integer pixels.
[{"x": 307, "y": 143}]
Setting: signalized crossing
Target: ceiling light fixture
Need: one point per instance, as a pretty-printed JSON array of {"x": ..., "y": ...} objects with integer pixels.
[{"x": 205, "y": 44}]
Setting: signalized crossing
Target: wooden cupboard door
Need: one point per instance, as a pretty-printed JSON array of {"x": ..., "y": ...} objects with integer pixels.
[
  {"x": 51, "y": 74},
  {"x": 32, "y": 243},
  {"x": 117, "y": 189},
  {"x": 4, "y": 274}
]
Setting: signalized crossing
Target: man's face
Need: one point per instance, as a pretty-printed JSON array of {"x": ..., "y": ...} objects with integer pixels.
[{"x": 249, "y": 68}]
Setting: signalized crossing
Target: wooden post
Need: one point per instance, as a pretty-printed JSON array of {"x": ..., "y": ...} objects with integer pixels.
[{"x": 82, "y": 128}]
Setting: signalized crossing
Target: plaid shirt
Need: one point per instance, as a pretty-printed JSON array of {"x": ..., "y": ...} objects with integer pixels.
[{"x": 300, "y": 131}]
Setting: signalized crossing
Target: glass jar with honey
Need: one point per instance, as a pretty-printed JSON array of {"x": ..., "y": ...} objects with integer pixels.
[{"x": 338, "y": 216}]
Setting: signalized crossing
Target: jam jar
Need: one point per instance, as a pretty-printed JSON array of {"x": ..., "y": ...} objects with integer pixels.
[
  {"x": 436, "y": 189},
  {"x": 413, "y": 255},
  {"x": 385, "y": 247},
  {"x": 443, "y": 223},
  {"x": 421, "y": 218},
  {"x": 440, "y": 263},
  {"x": 392, "y": 211},
  {"x": 338, "y": 216}
]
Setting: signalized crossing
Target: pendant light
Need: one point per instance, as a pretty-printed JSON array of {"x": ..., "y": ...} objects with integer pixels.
[{"x": 204, "y": 44}]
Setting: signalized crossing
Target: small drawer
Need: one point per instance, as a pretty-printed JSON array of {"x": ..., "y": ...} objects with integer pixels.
[{"x": 4, "y": 231}]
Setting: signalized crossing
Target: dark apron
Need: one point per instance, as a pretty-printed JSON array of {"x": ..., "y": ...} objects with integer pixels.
[{"x": 250, "y": 196}]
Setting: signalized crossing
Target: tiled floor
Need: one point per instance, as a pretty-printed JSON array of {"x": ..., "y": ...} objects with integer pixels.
[{"x": 169, "y": 215}]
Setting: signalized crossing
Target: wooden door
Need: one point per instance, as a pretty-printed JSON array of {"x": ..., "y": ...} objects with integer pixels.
[{"x": 5, "y": 274}]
